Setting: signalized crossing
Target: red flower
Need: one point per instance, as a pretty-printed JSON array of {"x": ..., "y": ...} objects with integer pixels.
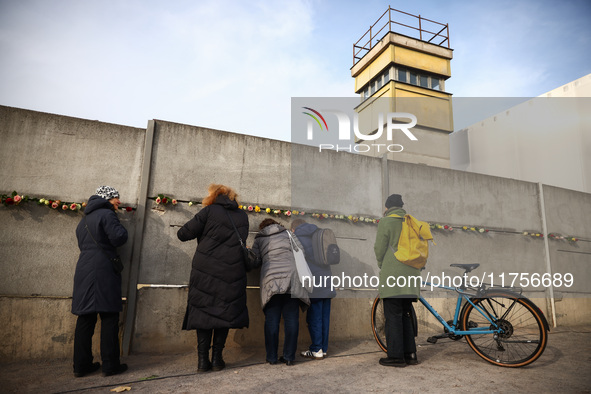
[
  {"x": 128, "y": 209},
  {"x": 73, "y": 206},
  {"x": 9, "y": 201},
  {"x": 165, "y": 200}
]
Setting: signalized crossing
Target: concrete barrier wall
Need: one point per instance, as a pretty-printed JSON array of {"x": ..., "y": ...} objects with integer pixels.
[
  {"x": 57, "y": 157},
  {"x": 38, "y": 248}
]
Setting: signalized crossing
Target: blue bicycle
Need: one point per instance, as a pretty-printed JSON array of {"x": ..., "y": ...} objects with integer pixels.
[{"x": 500, "y": 324}]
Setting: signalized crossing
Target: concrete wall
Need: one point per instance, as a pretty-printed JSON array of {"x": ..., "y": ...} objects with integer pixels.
[
  {"x": 545, "y": 139},
  {"x": 38, "y": 250}
]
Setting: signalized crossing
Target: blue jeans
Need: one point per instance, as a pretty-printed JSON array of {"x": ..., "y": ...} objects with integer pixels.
[
  {"x": 318, "y": 319},
  {"x": 278, "y": 305}
]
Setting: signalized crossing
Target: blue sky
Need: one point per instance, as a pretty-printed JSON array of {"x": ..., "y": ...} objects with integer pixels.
[{"x": 234, "y": 65}]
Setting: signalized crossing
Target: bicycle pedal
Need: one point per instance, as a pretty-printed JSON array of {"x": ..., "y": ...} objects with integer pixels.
[{"x": 432, "y": 339}]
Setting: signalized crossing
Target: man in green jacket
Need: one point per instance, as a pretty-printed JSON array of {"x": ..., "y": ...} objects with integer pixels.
[{"x": 399, "y": 287}]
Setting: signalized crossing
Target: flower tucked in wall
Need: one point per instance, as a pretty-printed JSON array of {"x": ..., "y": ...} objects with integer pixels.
[
  {"x": 13, "y": 199},
  {"x": 562, "y": 237},
  {"x": 533, "y": 234},
  {"x": 16, "y": 199},
  {"x": 162, "y": 199},
  {"x": 474, "y": 228}
]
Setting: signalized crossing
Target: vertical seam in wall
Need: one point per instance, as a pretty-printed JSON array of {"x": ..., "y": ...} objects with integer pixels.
[
  {"x": 547, "y": 251},
  {"x": 138, "y": 237},
  {"x": 385, "y": 180}
]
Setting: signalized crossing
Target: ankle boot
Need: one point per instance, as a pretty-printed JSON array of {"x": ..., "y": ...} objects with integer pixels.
[
  {"x": 217, "y": 361},
  {"x": 411, "y": 358},
  {"x": 203, "y": 345},
  {"x": 219, "y": 341}
]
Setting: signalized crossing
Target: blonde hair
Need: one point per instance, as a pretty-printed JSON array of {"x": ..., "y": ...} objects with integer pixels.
[{"x": 215, "y": 190}]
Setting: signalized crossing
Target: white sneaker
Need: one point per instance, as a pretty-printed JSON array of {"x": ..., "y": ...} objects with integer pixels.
[{"x": 314, "y": 355}]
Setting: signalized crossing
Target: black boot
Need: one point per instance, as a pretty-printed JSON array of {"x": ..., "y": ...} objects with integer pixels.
[
  {"x": 203, "y": 345},
  {"x": 411, "y": 358},
  {"x": 219, "y": 341}
]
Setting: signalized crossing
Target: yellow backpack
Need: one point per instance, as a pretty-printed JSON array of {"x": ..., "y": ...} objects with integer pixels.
[{"x": 413, "y": 245}]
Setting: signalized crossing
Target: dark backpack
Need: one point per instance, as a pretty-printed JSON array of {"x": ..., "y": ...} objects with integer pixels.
[{"x": 324, "y": 245}]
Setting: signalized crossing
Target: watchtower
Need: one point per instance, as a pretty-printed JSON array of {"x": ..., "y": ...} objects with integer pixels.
[{"x": 398, "y": 73}]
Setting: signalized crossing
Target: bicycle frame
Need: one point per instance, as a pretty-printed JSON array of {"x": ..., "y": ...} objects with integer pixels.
[{"x": 453, "y": 329}]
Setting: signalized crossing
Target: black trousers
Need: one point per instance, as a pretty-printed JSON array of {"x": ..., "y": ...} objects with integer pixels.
[
  {"x": 109, "y": 341},
  {"x": 400, "y": 336},
  {"x": 204, "y": 339}
]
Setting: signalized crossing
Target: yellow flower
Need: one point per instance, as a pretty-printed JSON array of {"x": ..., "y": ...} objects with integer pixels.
[
  {"x": 257, "y": 209},
  {"x": 268, "y": 210}
]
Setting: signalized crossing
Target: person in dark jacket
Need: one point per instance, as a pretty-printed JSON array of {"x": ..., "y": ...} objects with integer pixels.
[
  {"x": 97, "y": 283},
  {"x": 282, "y": 293},
  {"x": 217, "y": 286},
  {"x": 318, "y": 315},
  {"x": 397, "y": 300}
]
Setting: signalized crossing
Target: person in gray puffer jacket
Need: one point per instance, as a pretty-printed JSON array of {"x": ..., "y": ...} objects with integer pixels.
[{"x": 282, "y": 293}]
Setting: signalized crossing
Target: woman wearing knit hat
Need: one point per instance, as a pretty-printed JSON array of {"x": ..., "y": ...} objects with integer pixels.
[
  {"x": 97, "y": 283},
  {"x": 397, "y": 300}
]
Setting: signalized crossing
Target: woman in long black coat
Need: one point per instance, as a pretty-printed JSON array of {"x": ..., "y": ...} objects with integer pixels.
[
  {"x": 97, "y": 284},
  {"x": 217, "y": 286}
]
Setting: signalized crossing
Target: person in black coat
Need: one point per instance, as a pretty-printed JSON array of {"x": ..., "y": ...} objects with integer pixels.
[
  {"x": 217, "y": 286},
  {"x": 97, "y": 283}
]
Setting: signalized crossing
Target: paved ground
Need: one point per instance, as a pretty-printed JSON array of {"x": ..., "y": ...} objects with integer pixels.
[{"x": 447, "y": 366}]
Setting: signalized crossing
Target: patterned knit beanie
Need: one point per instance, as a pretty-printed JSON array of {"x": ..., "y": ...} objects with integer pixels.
[{"x": 107, "y": 192}]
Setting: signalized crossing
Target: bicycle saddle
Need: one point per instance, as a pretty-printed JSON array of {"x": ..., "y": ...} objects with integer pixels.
[{"x": 467, "y": 267}]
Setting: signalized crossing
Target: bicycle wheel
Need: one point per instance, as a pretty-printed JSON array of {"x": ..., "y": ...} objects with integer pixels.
[
  {"x": 524, "y": 334},
  {"x": 378, "y": 323}
]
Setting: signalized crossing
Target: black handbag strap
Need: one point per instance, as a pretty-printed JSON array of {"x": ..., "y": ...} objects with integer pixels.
[
  {"x": 235, "y": 229},
  {"x": 97, "y": 244}
]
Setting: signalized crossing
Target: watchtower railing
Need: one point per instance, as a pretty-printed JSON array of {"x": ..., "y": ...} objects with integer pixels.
[{"x": 385, "y": 22}]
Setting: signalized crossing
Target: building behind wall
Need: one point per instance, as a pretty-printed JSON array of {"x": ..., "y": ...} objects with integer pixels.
[
  {"x": 545, "y": 139},
  {"x": 396, "y": 73}
]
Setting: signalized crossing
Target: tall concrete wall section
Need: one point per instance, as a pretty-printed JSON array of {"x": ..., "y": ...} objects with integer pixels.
[
  {"x": 185, "y": 161},
  {"x": 567, "y": 215},
  {"x": 57, "y": 157},
  {"x": 503, "y": 208},
  {"x": 334, "y": 183}
]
